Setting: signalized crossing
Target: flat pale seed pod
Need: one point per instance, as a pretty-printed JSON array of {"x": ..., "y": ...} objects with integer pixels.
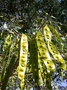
[
  {"x": 22, "y": 59},
  {"x": 44, "y": 54},
  {"x": 55, "y": 33},
  {"x": 56, "y": 54}
]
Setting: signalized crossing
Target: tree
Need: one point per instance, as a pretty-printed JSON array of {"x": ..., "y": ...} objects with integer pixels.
[{"x": 31, "y": 42}]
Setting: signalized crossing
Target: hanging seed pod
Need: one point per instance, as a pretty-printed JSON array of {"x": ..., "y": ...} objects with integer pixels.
[
  {"x": 55, "y": 33},
  {"x": 34, "y": 58},
  {"x": 56, "y": 54},
  {"x": 45, "y": 56},
  {"x": 7, "y": 45},
  {"x": 53, "y": 50},
  {"x": 22, "y": 60},
  {"x": 36, "y": 65},
  {"x": 12, "y": 57}
]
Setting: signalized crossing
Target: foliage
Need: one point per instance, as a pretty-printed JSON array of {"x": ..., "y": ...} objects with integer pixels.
[
  {"x": 34, "y": 28},
  {"x": 40, "y": 62},
  {"x": 32, "y": 12}
]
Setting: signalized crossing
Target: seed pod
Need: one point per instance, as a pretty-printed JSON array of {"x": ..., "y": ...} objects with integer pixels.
[
  {"x": 55, "y": 33},
  {"x": 7, "y": 45},
  {"x": 34, "y": 58},
  {"x": 44, "y": 54},
  {"x": 53, "y": 50},
  {"x": 22, "y": 59},
  {"x": 56, "y": 54},
  {"x": 12, "y": 57}
]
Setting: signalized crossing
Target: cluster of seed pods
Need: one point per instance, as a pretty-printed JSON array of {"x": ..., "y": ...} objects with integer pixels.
[{"x": 52, "y": 48}]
